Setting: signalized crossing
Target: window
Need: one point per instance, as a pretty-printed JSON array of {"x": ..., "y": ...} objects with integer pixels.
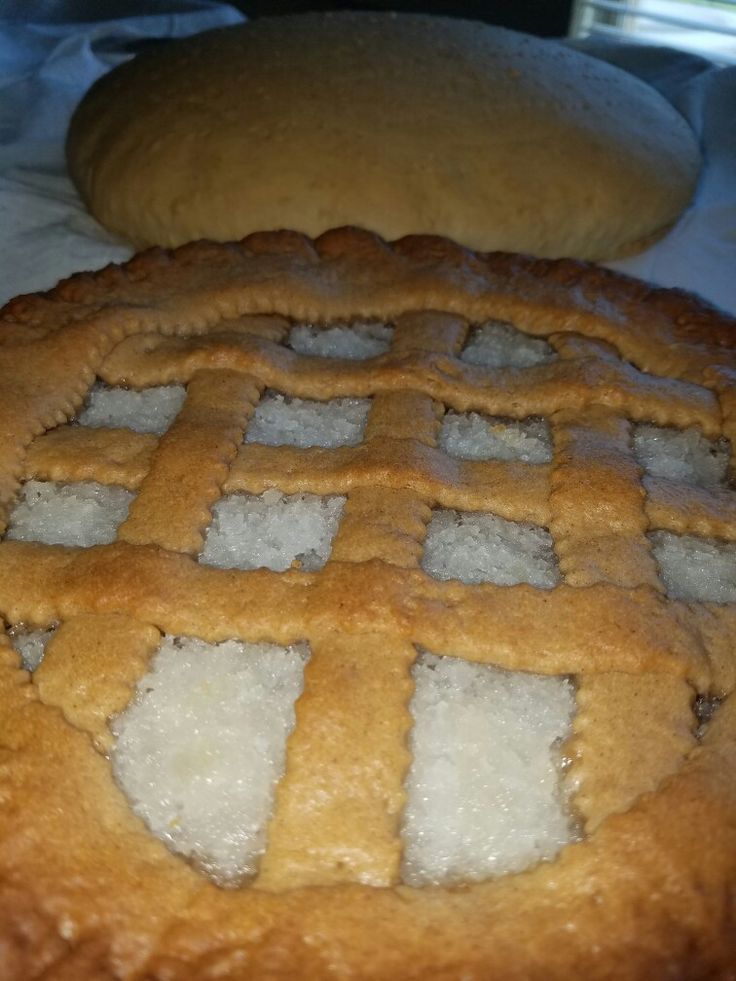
[{"x": 704, "y": 27}]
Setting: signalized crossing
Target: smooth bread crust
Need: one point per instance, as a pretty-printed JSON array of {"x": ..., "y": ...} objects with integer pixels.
[
  {"x": 399, "y": 124},
  {"x": 87, "y": 892}
]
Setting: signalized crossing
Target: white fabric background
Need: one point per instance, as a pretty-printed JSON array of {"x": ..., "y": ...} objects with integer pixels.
[{"x": 45, "y": 67}]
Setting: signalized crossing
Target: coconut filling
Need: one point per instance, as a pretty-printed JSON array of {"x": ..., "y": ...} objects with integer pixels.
[
  {"x": 272, "y": 530},
  {"x": 681, "y": 455},
  {"x": 470, "y": 436},
  {"x": 280, "y": 420},
  {"x": 151, "y": 410},
  {"x": 477, "y": 547},
  {"x": 351, "y": 342},
  {"x": 484, "y": 789},
  {"x": 82, "y": 514},
  {"x": 495, "y": 344},
  {"x": 202, "y": 744},
  {"x": 691, "y": 568}
]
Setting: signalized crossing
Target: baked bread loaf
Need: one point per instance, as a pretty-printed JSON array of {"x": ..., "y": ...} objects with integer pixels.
[
  {"x": 400, "y": 124},
  {"x": 624, "y": 614}
]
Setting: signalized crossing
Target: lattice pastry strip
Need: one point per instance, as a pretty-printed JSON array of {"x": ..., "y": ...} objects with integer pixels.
[
  {"x": 128, "y": 363},
  {"x": 339, "y": 803},
  {"x": 404, "y": 415},
  {"x": 714, "y": 626},
  {"x": 516, "y": 393},
  {"x": 531, "y": 629},
  {"x": 109, "y": 456},
  {"x": 90, "y": 668},
  {"x": 193, "y": 456},
  {"x": 429, "y": 331},
  {"x": 114, "y": 456},
  {"x": 57, "y": 780},
  {"x": 617, "y": 715},
  {"x": 44, "y": 393},
  {"x": 597, "y": 501},
  {"x": 382, "y": 524},
  {"x": 723, "y": 380},
  {"x": 512, "y": 490},
  {"x": 691, "y": 510}
]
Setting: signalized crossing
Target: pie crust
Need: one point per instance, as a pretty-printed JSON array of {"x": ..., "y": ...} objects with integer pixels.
[
  {"x": 319, "y": 119},
  {"x": 87, "y": 892}
]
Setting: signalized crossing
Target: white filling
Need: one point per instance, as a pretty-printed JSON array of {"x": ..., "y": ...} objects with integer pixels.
[
  {"x": 353, "y": 342},
  {"x": 272, "y": 530},
  {"x": 470, "y": 436},
  {"x": 202, "y": 745},
  {"x": 683, "y": 455},
  {"x": 149, "y": 411},
  {"x": 696, "y": 568},
  {"x": 484, "y": 794},
  {"x": 498, "y": 345},
  {"x": 479, "y": 548},
  {"x": 69, "y": 514},
  {"x": 283, "y": 421},
  {"x": 31, "y": 645}
]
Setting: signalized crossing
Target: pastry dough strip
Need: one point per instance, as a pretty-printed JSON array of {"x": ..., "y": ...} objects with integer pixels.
[
  {"x": 517, "y": 393},
  {"x": 192, "y": 460}
]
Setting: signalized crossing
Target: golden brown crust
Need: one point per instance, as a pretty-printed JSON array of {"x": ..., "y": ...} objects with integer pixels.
[
  {"x": 87, "y": 892},
  {"x": 319, "y": 120}
]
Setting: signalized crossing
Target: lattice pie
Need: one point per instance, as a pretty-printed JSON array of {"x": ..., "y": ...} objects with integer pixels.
[{"x": 370, "y": 613}]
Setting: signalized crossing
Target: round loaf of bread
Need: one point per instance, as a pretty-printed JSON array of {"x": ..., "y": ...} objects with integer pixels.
[{"x": 396, "y": 123}]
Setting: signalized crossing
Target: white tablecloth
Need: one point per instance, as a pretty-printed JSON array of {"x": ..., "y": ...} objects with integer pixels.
[{"x": 45, "y": 67}]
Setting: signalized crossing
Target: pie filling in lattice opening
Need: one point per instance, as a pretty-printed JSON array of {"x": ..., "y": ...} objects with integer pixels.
[
  {"x": 201, "y": 746},
  {"x": 479, "y": 547},
  {"x": 150, "y": 410},
  {"x": 485, "y": 794},
  {"x": 84, "y": 513},
  {"x": 500, "y": 345},
  {"x": 280, "y": 420},
  {"x": 692, "y": 568},
  {"x": 356, "y": 341},
  {"x": 471, "y": 436},
  {"x": 682, "y": 455},
  {"x": 272, "y": 530}
]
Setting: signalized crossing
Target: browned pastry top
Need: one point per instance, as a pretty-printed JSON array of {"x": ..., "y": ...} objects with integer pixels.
[
  {"x": 87, "y": 892},
  {"x": 395, "y": 122}
]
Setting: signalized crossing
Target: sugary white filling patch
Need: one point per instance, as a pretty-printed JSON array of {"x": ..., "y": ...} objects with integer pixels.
[
  {"x": 202, "y": 745},
  {"x": 283, "y": 421},
  {"x": 479, "y": 548},
  {"x": 498, "y": 345},
  {"x": 470, "y": 436},
  {"x": 272, "y": 529},
  {"x": 682, "y": 455},
  {"x": 353, "y": 342},
  {"x": 151, "y": 410},
  {"x": 696, "y": 568},
  {"x": 484, "y": 789},
  {"x": 85, "y": 513},
  {"x": 31, "y": 645}
]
